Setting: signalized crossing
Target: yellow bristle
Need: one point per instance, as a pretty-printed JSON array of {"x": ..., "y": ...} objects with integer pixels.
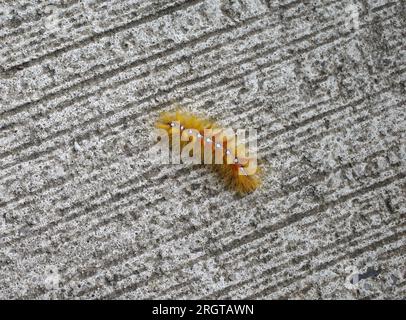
[{"x": 238, "y": 176}]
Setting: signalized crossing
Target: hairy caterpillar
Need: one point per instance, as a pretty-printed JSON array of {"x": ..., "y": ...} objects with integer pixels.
[{"x": 239, "y": 171}]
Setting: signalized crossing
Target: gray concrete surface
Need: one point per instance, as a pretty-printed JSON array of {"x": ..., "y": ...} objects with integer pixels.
[{"x": 86, "y": 213}]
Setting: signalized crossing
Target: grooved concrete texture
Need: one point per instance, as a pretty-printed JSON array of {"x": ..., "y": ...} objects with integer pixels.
[{"x": 85, "y": 212}]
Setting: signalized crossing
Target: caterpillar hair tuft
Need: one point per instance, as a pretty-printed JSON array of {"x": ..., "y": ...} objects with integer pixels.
[{"x": 239, "y": 172}]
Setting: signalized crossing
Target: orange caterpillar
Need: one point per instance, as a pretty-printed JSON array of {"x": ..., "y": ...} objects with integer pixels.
[{"x": 239, "y": 172}]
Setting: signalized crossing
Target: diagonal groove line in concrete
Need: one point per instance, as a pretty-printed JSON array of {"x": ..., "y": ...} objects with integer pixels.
[
  {"x": 109, "y": 32},
  {"x": 118, "y": 293},
  {"x": 293, "y": 218},
  {"x": 385, "y": 241},
  {"x": 353, "y": 238},
  {"x": 115, "y": 197},
  {"x": 132, "y": 64},
  {"x": 111, "y": 113}
]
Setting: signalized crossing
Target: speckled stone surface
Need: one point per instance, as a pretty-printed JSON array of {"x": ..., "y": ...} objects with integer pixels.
[{"x": 85, "y": 212}]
